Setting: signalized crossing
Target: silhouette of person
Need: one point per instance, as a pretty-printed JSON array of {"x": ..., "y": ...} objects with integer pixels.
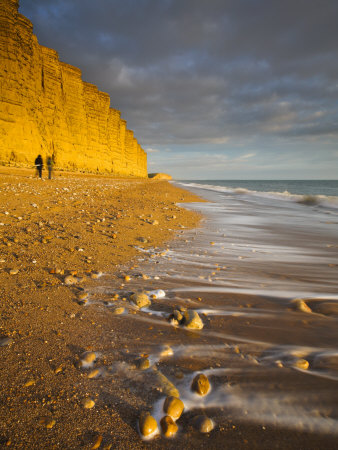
[
  {"x": 50, "y": 167},
  {"x": 39, "y": 165}
]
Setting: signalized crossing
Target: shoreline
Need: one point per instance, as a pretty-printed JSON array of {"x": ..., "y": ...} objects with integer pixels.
[{"x": 78, "y": 226}]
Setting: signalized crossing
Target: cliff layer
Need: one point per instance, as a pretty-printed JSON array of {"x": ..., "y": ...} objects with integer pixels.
[{"x": 46, "y": 108}]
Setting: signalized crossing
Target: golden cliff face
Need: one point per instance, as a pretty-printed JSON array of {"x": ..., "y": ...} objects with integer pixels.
[{"x": 46, "y": 108}]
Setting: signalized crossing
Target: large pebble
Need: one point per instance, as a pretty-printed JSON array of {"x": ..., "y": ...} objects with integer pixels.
[
  {"x": 147, "y": 424},
  {"x": 200, "y": 384},
  {"x": 192, "y": 320},
  {"x": 173, "y": 407},
  {"x": 203, "y": 424},
  {"x": 169, "y": 427},
  {"x": 140, "y": 300}
]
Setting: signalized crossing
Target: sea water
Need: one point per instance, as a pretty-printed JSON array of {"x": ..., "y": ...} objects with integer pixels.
[{"x": 261, "y": 270}]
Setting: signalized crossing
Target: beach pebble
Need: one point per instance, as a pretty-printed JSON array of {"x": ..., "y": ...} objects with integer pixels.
[
  {"x": 143, "y": 364},
  {"x": 13, "y": 271},
  {"x": 94, "y": 373},
  {"x": 118, "y": 311},
  {"x": 301, "y": 364},
  {"x": 159, "y": 293},
  {"x": 82, "y": 296},
  {"x": 154, "y": 222},
  {"x": 5, "y": 340},
  {"x": 69, "y": 280},
  {"x": 29, "y": 383},
  {"x": 166, "y": 351},
  {"x": 169, "y": 427},
  {"x": 140, "y": 300},
  {"x": 147, "y": 424},
  {"x": 50, "y": 423},
  {"x": 192, "y": 320},
  {"x": 167, "y": 387},
  {"x": 200, "y": 384},
  {"x": 203, "y": 424},
  {"x": 88, "y": 359},
  {"x": 88, "y": 403},
  {"x": 301, "y": 305},
  {"x": 173, "y": 407},
  {"x": 127, "y": 278},
  {"x": 95, "y": 275},
  {"x": 97, "y": 443}
]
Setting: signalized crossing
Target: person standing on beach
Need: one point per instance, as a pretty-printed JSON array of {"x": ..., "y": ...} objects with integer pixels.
[
  {"x": 50, "y": 167},
  {"x": 39, "y": 165}
]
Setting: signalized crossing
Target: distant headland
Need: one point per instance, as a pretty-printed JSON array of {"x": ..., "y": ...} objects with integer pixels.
[{"x": 46, "y": 108}]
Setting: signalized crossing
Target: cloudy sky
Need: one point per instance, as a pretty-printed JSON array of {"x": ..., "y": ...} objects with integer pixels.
[{"x": 214, "y": 89}]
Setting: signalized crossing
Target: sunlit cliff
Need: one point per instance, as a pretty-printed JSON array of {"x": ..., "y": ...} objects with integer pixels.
[{"x": 46, "y": 108}]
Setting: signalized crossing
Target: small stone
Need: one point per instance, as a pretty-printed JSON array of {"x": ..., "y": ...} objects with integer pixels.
[
  {"x": 154, "y": 222},
  {"x": 192, "y": 320},
  {"x": 169, "y": 427},
  {"x": 50, "y": 423},
  {"x": 13, "y": 271},
  {"x": 29, "y": 383},
  {"x": 302, "y": 364},
  {"x": 203, "y": 424},
  {"x": 82, "y": 296},
  {"x": 166, "y": 351},
  {"x": 119, "y": 311},
  {"x": 127, "y": 278},
  {"x": 97, "y": 443},
  {"x": 301, "y": 305},
  {"x": 88, "y": 358},
  {"x": 140, "y": 300},
  {"x": 95, "y": 275},
  {"x": 143, "y": 363},
  {"x": 69, "y": 280},
  {"x": 143, "y": 240},
  {"x": 94, "y": 373},
  {"x": 147, "y": 424},
  {"x": 58, "y": 370},
  {"x": 200, "y": 384},
  {"x": 173, "y": 407},
  {"x": 88, "y": 403}
]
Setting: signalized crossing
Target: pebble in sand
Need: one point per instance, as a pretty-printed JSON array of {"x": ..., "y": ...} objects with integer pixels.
[
  {"x": 203, "y": 424},
  {"x": 148, "y": 425},
  {"x": 141, "y": 300},
  {"x": 169, "y": 427},
  {"x": 118, "y": 311},
  {"x": 200, "y": 384},
  {"x": 88, "y": 403},
  {"x": 173, "y": 407}
]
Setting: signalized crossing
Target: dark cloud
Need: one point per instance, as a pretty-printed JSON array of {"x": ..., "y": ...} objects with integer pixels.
[{"x": 191, "y": 72}]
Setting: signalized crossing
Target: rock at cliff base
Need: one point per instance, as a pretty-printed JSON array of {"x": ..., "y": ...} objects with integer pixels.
[{"x": 160, "y": 176}]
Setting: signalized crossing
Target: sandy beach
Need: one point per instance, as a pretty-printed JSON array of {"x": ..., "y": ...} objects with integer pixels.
[
  {"x": 80, "y": 226},
  {"x": 80, "y": 362}
]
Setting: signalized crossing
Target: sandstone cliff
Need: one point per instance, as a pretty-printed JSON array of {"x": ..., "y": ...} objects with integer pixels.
[{"x": 46, "y": 108}]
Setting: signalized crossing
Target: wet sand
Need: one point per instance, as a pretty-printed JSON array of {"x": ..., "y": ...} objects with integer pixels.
[{"x": 249, "y": 348}]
